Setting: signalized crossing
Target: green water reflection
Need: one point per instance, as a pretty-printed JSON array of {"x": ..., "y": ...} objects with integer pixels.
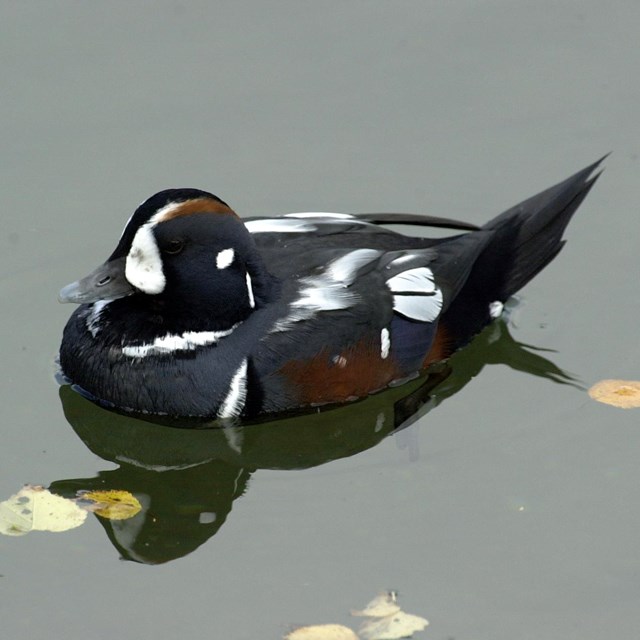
[{"x": 188, "y": 479}]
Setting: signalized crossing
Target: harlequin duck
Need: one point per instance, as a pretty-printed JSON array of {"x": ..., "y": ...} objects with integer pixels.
[{"x": 200, "y": 313}]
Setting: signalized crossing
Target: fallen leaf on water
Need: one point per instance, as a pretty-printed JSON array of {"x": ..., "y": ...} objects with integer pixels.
[
  {"x": 113, "y": 504},
  {"x": 619, "y": 393},
  {"x": 35, "y": 508},
  {"x": 393, "y": 627},
  {"x": 384, "y": 604},
  {"x": 322, "y": 632}
]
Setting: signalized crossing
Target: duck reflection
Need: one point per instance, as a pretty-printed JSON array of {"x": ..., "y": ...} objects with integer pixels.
[{"x": 187, "y": 478}]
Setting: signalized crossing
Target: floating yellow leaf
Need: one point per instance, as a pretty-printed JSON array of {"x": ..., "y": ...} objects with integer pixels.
[
  {"x": 113, "y": 504},
  {"x": 322, "y": 632},
  {"x": 393, "y": 627},
  {"x": 384, "y": 604},
  {"x": 619, "y": 393},
  {"x": 35, "y": 508}
]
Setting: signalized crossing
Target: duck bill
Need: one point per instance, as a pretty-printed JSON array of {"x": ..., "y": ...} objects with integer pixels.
[{"x": 107, "y": 282}]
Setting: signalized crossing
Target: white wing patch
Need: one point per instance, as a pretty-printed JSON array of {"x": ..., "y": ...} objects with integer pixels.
[
  {"x": 187, "y": 341},
  {"x": 415, "y": 294},
  {"x": 233, "y": 403},
  {"x": 345, "y": 269},
  {"x": 328, "y": 290}
]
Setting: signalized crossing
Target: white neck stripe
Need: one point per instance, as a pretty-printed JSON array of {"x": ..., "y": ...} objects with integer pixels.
[{"x": 187, "y": 341}]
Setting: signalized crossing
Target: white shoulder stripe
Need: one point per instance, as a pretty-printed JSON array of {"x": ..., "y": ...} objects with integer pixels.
[
  {"x": 279, "y": 225},
  {"x": 320, "y": 214}
]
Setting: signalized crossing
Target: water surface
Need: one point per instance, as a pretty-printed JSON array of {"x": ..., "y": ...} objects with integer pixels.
[{"x": 507, "y": 509}]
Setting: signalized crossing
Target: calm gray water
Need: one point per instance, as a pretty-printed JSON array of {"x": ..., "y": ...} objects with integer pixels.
[{"x": 510, "y": 510}]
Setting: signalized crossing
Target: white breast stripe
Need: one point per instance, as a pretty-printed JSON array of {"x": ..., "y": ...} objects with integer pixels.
[
  {"x": 187, "y": 341},
  {"x": 233, "y": 403},
  {"x": 415, "y": 294}
]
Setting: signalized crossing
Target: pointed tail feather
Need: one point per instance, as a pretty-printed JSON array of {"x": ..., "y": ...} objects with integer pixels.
[
  {"x": 524, "y": 240},
  {"x": 529, "y": 235}
]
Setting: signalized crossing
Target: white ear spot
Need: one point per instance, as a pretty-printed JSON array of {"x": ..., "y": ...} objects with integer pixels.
[
  {"x": 144, "y": 265},
  {"x": 225, "y": 258}
]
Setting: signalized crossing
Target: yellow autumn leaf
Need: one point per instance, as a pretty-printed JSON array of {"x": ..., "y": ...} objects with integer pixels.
[
  {"x": 393, "y": 627},
  {"x": 384, "y": 604},
  {"x": 112, "y": 504},
  {"x": 35, "y": 508},
  {"x": 322, "y": 632},
  {"x": 619, "y": 393}
]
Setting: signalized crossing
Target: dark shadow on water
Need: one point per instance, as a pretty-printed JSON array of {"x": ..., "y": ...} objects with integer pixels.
[{"x": 187, "y": 479}]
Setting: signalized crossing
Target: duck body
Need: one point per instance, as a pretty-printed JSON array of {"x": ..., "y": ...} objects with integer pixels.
[{"x": 200, "y": 313}]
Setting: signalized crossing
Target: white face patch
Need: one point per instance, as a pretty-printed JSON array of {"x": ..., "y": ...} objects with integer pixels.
[
  {"x": 385, "y": 343},
  {"x": 415, "y": 294},
  {"x": 225, "y": 258},
  {"x": 233, "y": 403},
  {"x": 187, "y": 341},
  {"x": 144, "y": 265},
  {"x": 252, "y": 300}
]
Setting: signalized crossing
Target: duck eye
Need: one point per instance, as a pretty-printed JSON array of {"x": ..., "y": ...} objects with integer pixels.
[{"x": 174, "y": 246}]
